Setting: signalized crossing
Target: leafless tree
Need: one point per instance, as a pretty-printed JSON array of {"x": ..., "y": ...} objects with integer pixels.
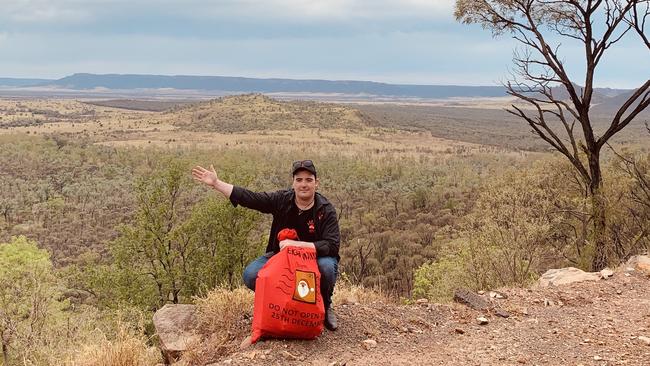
[{"x": 541, "y": 79}]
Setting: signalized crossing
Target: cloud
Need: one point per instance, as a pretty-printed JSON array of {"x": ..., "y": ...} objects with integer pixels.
[
  {"x": 224, "y": 18},
  {"x": 36, "y": 11}
]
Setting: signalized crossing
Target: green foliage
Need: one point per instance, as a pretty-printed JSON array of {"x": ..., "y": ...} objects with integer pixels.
[
  {"x": 27, "y": 297},
  {"x": 516, "y": 230},
  {"x": 176, "y": 249},
  {"x": 437, "y": 280}
]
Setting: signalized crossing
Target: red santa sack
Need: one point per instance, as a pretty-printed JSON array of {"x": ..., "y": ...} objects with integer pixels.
[{"x": 288, "y": 303}]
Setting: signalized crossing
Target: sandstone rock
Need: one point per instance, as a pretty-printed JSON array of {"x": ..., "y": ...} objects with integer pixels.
[
  {"x": 482, "y": 320},
  {"x": 640, "y": 263},
  {"x": 421, "y": 301},
  {"x": 563, "y": 276},
  {"x": 175, "y": 325},
  {"x": 645, "y": 340},
  {"x": 459, "y": 330},
  {"x": 369, "y": 344}
]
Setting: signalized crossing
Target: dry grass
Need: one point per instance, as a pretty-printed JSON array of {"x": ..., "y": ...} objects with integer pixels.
[
  {"x": 221, "y": 310},
  {"x": 224, "y": 320},
  {"x": 127, "y": 349},
  {"x": 345, "y": 293}
]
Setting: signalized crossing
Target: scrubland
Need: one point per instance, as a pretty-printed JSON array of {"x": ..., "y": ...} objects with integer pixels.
[{"x": 428, "y": 198}]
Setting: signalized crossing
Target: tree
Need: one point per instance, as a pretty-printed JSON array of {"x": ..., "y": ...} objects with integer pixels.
[
  {"x": 540, "y": 74},
  {"x": 150, "y": 246},
  {"x": 175, "y": 248},
  {"x": 27, "y": 291}
]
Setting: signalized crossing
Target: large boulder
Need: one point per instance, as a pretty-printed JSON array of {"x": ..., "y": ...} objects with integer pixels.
[
  {"x": 639, "y": 263},
  {"x": 563, "y": 276},
  {"x": 176, "y": 327}
]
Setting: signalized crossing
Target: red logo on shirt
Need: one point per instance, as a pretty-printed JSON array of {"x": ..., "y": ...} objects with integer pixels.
[{"x": 311, "y": 226}]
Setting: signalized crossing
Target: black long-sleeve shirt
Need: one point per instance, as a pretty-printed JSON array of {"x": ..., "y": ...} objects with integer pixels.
[{"x": 279, "y": 204}]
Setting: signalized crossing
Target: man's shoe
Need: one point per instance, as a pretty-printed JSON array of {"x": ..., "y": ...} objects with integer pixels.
[{"x": 330, "y": 319}]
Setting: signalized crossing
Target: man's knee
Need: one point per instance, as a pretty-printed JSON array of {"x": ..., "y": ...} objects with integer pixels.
[
  {"x": 328, "y": 267},
  {"x": 249, "y": 277}
]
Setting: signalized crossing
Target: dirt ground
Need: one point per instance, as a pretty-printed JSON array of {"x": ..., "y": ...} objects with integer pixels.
[{"x": 588, "y": 323}]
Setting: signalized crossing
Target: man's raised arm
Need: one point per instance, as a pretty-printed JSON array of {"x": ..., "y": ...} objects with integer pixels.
[{"x": 210, "y": 178}]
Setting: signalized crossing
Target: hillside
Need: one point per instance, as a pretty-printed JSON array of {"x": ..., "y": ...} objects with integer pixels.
[
  {"x": 586, "y": 323},
  {"x": 257, "y": 112}
]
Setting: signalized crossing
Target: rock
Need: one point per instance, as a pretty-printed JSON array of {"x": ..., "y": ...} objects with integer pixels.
[
  {"x": 227, "y": 362},
  {"x": 459, "y": 331},
  {"x": 471, "y": 299},
  {"x": 563, "y": 276},
  {"x": 422, "y": 301},
  {"x": 645, "y": 340},
  {"x": 369, "y": 344},
  {"x": 606, "y": 273},
  {"x": 598, "y": 358},
  {"x": 482, "y": 320},
  {"x": 640, "y": 263},
  {"x": 175, "y": 325}
]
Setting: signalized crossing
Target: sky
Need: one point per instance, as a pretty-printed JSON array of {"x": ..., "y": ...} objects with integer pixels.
[{"x": 404, "y": 42}]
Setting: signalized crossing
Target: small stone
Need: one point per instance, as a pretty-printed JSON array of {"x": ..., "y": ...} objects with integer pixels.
[
  {"x": 422, "y": 301},
  {"x": 459, "y": 331},
  {"x": 522, "y": 360},
  {"x": 548, "y": 302},
  {"x": 606, "y": 273},
  {"x": 497, "y": 295},
  {"x": 645, "y": 340},
  {"x": 250, "y": 355},
  {"x": 618, "y": 292},
  {"x": 413, "y": 329},
  {"x": 482, "y": 320},
  {"x": 369, "y": 344},
  {"x": 598, "y": 358},
  {"x": 227, "y": 362},
  {"x": 524, "y": 311},
  {"x": 481, "y": 292},
  {"x": 502, "y": 313},
  {"x": 288, "y": 355}
]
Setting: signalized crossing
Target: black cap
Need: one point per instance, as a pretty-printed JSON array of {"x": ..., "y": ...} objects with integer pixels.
[{"x": 307, "y": 165}]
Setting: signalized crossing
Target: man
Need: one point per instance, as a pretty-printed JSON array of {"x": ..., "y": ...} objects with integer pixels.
[{"x": 300, "y": 208}]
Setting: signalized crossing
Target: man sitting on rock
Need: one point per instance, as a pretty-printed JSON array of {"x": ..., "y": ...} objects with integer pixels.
[{"x": 300, "y": 208}]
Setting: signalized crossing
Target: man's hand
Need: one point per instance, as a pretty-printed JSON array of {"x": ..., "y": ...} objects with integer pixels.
[
  {"x": 295, "y": 243},
  {"x": 208, "y": 177}
]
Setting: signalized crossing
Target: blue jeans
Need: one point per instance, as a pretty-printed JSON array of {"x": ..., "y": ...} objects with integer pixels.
[{"x": 328, "y": 267}]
